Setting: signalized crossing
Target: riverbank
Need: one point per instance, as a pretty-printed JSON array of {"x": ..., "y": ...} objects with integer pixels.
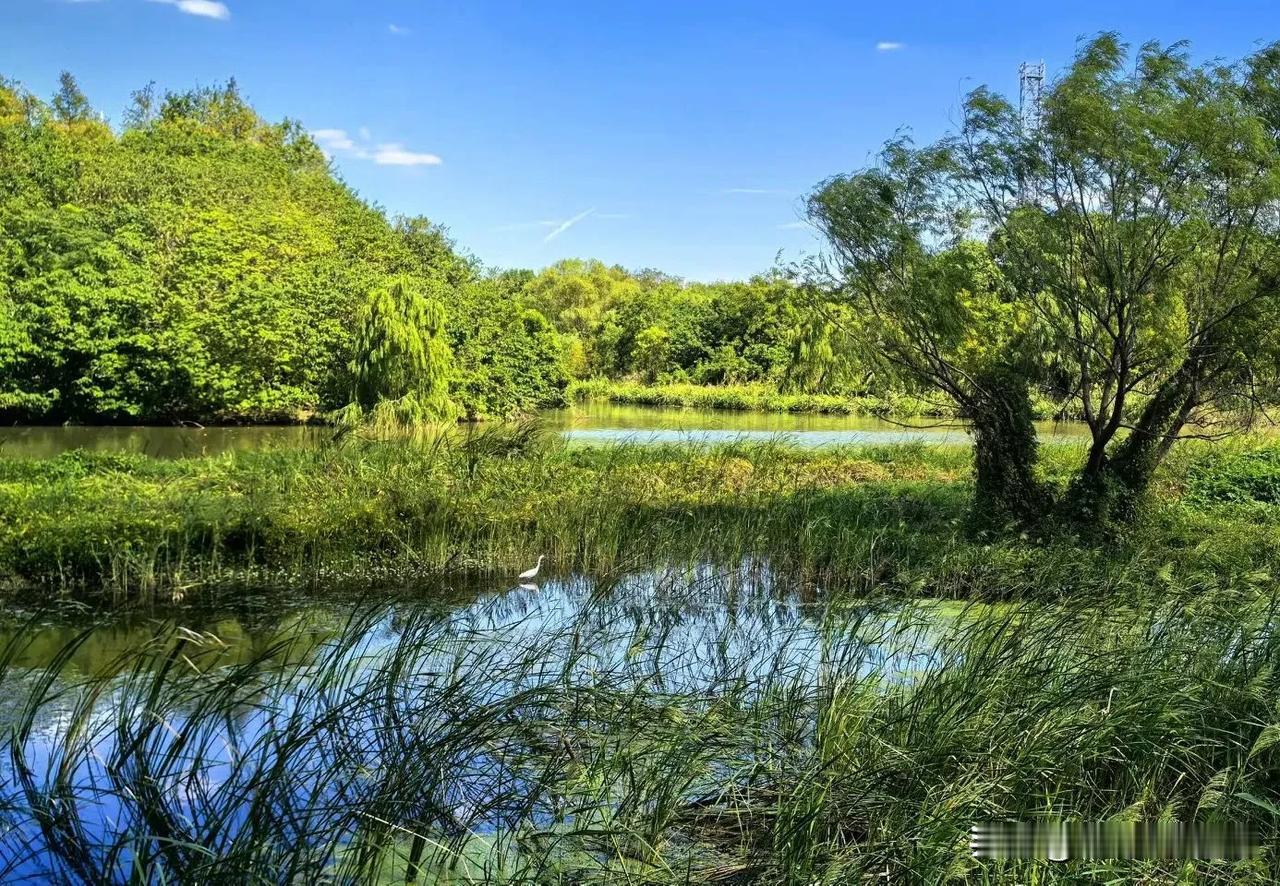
[
  {"x": 870, "y": 519},
  {"x": 765, "y": 398}
]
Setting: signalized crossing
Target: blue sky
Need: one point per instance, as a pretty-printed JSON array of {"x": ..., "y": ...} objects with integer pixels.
[{"x": 675, "y": 134}]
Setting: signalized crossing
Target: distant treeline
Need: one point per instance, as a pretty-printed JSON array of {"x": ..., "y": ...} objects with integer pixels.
[{"x": 198, "y": 262}]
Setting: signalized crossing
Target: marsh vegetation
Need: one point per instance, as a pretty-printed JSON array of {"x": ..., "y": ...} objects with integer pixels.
[
  {"x": 668, "y": 727},
  {"x": 749, "y": 661}
]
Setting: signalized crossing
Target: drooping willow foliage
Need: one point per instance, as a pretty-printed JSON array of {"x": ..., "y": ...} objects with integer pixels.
[{"x": 402, "y": 362}]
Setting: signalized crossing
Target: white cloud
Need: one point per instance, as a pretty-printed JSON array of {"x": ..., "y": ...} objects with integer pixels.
[
  {"x": 339, "y": 141},
  {"x": 396, "y": 155},
  {"x": 889, "y": 46},
  {"x": 566, "y": 225},
  {"x": 365, "y": 134},
  {"x": 333, "y": 139},
  {"x": 202, "y": 8},
  {"x": 398, "y": 30},
  {"x": 793, "y": 226}
]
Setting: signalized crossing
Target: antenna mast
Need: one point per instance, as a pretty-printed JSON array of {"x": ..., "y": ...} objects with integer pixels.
[
  {"x": 1030, "y": 117},
  {"x": 1030, "y": 87}
]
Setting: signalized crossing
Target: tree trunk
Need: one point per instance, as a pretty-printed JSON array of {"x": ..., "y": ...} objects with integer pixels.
[
  {"x": 1005, "y": 450},
  {"x": 1111, "y": 490}
]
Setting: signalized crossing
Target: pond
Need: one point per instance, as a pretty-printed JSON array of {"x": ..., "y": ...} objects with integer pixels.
[
  {"x": 273, "y": 714},
  {"x": 483, "y": 731},
  {"x": 594, "y": 424}
]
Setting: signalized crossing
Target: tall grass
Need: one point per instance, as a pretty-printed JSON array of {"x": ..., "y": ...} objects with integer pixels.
[
  {"x": 883, "y": 519},
  {"x": 754, "y": 398},
  {"x": 615, "y": 749}
]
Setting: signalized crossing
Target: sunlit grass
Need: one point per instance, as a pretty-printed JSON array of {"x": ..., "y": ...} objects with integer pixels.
[{"x": 871, "y": 519}]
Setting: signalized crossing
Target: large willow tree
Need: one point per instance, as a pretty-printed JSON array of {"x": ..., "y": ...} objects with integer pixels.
[{"x": 1135, "y": 233}]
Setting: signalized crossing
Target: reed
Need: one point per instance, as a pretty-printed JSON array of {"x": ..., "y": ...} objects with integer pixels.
[
  {"x": 640, "y": 741},
  {"x": 886, "y": 520}
]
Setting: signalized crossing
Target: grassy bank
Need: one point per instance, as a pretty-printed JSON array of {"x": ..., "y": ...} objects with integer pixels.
[
  {"x": 765, "y": 398},
  {"x": 600, "y": 753},
  {"x": 889, "y": 518}
]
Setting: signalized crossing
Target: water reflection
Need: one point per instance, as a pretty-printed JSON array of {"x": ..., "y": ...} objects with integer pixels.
[
  {"x": 747, "y": 607},
  {"x": 157, "y": 442},
  {"x": 269, "y": 731},
  {"x": 594, "y": 424}
]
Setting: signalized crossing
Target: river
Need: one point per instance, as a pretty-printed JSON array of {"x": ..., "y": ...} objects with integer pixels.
[{"x": 594, "y": 424}]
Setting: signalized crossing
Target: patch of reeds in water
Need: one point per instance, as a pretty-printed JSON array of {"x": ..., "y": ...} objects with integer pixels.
[
  {"x": 651, "y": 738},
  {"x": 873, "y": 519}
]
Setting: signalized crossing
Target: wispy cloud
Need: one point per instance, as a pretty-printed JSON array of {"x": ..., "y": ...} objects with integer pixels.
[
  {"x": 558, "y": 226},
  {"x": 566, "y": 225},
  {"x": 398, "y": 30},
  {"x": 339, "y": 141},
  {"x": 397, "y": 155},
  {"x": 753, "y": 191},
  {"x": 333, "y": 139},
  {"x": 889, "y": 46},
  {"x": 201, "y": 8},
  {"x": 793, "y": 226}
]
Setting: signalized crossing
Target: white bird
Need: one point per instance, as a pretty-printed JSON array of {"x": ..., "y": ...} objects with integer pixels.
[{"x": 532, "y": 573}]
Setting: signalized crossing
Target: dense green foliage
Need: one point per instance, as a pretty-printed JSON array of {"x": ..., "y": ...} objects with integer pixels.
[
  {"x": 205, "y": 264},
  {"x": 649, "y": 327},
  {"x": 202, "y": 263},
  {"x": 402, "y": 361}
]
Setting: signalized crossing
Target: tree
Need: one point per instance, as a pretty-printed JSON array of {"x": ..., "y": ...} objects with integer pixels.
[
  {"x": 142, "y": 111},
  {"x": 432, "y": 252},
  {"x": 509, "y": 359},
  {"x": 576, "y": 296},
  {"x": 402, "y": 362},
  {"x": 935, "y": 309},
  {"x": 651, "y": 353},
  {"x": 1135, "y": 233},
  {"x": 206, "y": 264},
  {"x": 1148, "y": 248},
  {"x": 70, "y": 104},
  {"x": 821, "y": 357}
]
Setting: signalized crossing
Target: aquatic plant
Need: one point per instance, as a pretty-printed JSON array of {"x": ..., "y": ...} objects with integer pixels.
[
  {"x": 646, "y": 739},
  {"x": 879, "y": 520}
]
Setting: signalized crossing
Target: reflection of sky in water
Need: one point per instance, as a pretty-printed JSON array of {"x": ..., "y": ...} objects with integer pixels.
[
  {"x": 593, "y": 424},
  {"x": 688, "y": 633},
  {"x": 682, "y": 632},
  {"x": 803, "y": 439}
]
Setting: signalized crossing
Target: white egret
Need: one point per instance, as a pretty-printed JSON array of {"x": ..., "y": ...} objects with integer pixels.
[{"x": 530, "y": 574}]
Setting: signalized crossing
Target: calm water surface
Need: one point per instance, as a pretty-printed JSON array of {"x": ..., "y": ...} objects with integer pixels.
[
  {"x": 595, "y": 424},
  {"x": 692, "y": 632}
]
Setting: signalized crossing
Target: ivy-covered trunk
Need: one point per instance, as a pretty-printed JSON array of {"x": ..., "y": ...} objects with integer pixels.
[{"x": 1005, "y": 450}]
